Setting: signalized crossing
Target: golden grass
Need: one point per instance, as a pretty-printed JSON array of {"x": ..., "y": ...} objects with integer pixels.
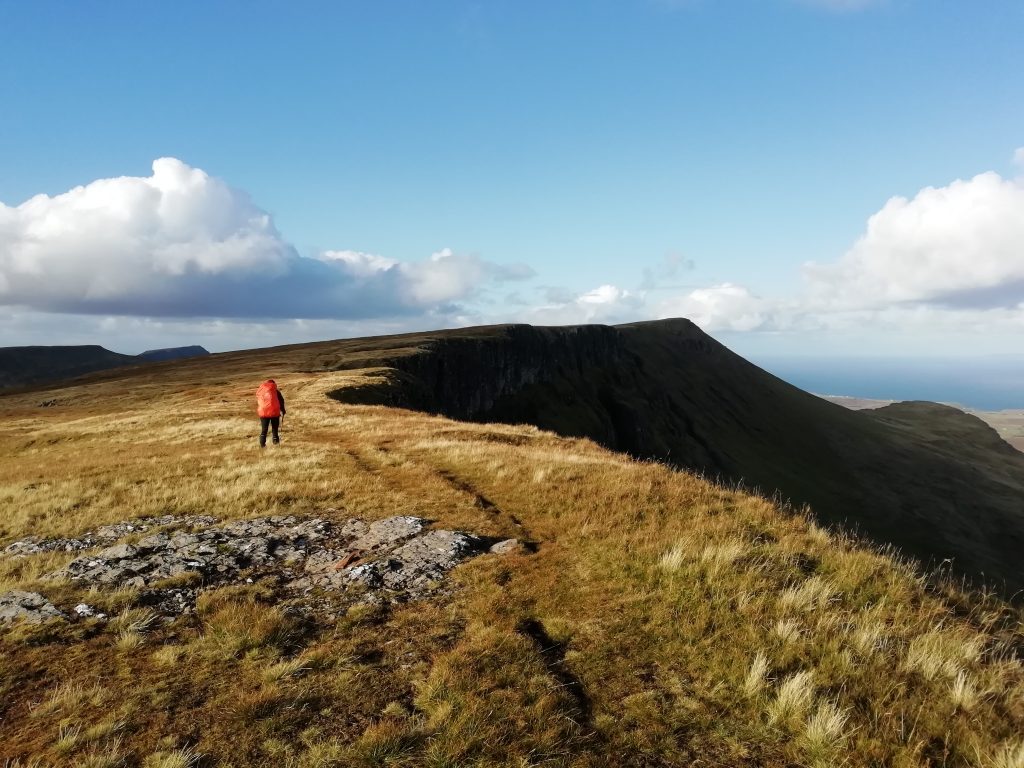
[
  {"x": 823, "y": 733},
  {"x": 755, "y": 679},
  {"x": 794, "y": 697},
  {"x": 662, "y": 620},
  {"x": 1009, "y": 755}
]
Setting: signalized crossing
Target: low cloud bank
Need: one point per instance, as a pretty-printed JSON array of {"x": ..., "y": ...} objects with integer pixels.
[{"x": 181, "y": 243}]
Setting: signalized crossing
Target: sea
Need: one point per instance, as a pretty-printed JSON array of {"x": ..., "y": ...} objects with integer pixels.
[{"x": 981, "y": 383}]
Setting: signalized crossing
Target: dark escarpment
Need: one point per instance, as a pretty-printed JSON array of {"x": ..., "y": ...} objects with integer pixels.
[{"x": 937, "y": 483}]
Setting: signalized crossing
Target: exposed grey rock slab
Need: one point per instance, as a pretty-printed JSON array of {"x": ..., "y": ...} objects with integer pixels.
[
  {"x": 215, "y": 554},
  {"x": 386, "y": 533},
  {"x": 393, "y": 559},
  {"x": 103, "y": 535},
  {"x": 30, "y": 607}
]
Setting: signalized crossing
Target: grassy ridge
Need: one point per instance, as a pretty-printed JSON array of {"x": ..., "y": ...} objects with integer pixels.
[{"x": 663, "y": 620}]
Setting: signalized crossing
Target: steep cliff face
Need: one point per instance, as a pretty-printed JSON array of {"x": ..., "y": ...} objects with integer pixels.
[{"x": 932, "y": 480}]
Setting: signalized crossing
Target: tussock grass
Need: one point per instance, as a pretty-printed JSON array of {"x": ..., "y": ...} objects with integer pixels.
[
  {"x": 236, "y": 622},
  {"x": 130, "y": 628},
  {"x": 942, "y": 653},
  {"x": 177, "y": 758},
  {"x": 284, "y": 669},
  {"x": 794, "y": 697},
  {"x": 755, "y": 679},
  {"x": 1009, "y": 755},
  {"x": 868, "y": 637},
  {"x": 787, "y": 630},
  {"x": 68, "y": 738},
  {"x": 813, "y": 593},
  {"x": 109, "y": 756},
  {"x": 662, "y": 620},
  {"x": 70, "y": 696},
  {"x": 823, "y": 733},
  {"x": 963, "y": 691},
  {"x": 105, "y": 729}
]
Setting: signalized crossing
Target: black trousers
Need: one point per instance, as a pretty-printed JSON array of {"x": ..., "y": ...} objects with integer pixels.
[{"x": 274, "y": 422}]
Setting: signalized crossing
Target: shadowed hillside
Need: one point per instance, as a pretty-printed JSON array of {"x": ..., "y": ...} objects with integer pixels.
[
  {"x": 931, "y": 479},
  {"x": 1008, "y": 423},
  {"x": 21, "y": 366},
  {"x": 25, "y": 366}
]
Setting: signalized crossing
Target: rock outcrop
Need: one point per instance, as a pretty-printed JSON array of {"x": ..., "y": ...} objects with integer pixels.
[
  {"x": 30, "y": 607},
  {"x": 390, "y": 560}
]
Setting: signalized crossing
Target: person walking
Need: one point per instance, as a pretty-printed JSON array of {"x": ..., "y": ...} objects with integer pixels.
[{"x": 270, "y": 407}]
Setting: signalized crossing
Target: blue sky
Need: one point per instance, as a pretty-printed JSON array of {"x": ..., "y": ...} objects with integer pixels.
[{"x": 448, "y": 163}]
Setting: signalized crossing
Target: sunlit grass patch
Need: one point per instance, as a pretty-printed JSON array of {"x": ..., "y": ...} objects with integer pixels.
[
  {"x": 177, "y": 758},
  {"x": 107, "y": 756},
  {"x": 787, "y": 630},
  {"x": 1007, "y": 755},
  {"x": 963, "y": 691},
  {"x": 814, "y": 592},
  {"x": 70, "y": 696},
  {"x": 380, "y": 744},
  {"x": 942, "y": 653},
  {"x": 236, "y": 620},
  {"x": 105, "y": 728},
  {"x": 673, "y": 559},
  {"x": 284, "y": 669},
  {"x": 868, "y": 637},
  {"x": 131, "y": 626},
  {"x": 68, "y": 738},
  {"x": 756, "y": 677},
  {"x": 823, "y": 732},
  {"x": 794, "y": 697}
]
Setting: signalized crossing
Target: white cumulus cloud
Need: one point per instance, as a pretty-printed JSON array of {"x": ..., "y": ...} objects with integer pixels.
[
  {"x": 604, "y": 304},
  {"x": 725, "y": 307},
  {"x": 959, "y": 245},
  {"x": 181, "y": 243}
]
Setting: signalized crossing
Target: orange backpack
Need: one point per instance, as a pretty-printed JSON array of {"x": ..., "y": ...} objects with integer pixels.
[{"x": 267, "y": 404}]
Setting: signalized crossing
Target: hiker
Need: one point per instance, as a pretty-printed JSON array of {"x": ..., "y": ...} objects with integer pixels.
[{"x": 270, "y": 407}]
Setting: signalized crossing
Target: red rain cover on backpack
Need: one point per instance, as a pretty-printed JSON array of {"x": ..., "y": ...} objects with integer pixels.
[{"x": 267, "y": 404}]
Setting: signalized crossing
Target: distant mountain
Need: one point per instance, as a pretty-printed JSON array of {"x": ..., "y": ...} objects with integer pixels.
[
  {"x": 22, "y": 366},
  {"x": 172, "y": 353},
  {"x": 937, "y": 482},
  {"x": 26, "y": 366}
]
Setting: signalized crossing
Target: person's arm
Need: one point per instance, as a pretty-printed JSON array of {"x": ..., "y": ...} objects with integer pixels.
[{"x": 280, "y": 399}]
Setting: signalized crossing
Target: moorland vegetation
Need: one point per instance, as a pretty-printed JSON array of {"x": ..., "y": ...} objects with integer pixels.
[{"x": 657, "y": 618}]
